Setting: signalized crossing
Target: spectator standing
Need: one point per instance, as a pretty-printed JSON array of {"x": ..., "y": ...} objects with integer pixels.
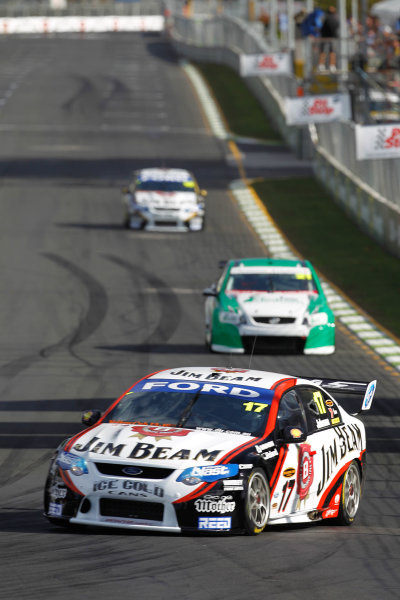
[
  {"x": 329, "y": 34},
  {"x": 312, "y": 23},
  {"x": 397, "y": 28}
]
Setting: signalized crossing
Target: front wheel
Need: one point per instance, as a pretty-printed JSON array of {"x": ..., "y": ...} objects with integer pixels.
[
  {"x": 208, "y": 336},
  {"x": 351, "y": 495},
  {"x": 257, "y": 502}
]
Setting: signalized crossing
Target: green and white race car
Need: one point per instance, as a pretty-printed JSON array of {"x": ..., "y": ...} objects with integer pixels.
[{"x": 266, "y": 304}]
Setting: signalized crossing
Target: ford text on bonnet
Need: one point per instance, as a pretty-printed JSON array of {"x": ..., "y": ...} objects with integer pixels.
[{"x": 214, "y": 450}]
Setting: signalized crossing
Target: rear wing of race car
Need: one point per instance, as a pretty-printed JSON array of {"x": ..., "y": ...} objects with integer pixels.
[{"x": 349, "y": 387}]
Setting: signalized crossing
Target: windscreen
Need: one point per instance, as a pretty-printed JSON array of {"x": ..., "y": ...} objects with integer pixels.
[
  {"x": 270, "y": 282},
  {"x": 210, "y": 407},
  {"x": 164, "y": 186}
]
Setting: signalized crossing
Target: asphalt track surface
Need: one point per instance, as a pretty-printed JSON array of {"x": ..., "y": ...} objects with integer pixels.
[{"x": 88, "y": 307}]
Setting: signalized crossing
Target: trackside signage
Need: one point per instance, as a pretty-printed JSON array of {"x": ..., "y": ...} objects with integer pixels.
[
  {"x": 276, "y": 63},
  {"x": 317, "y": 109},
  {"x": 377, "y": 141},
  {"x": 81, "y": 24}
]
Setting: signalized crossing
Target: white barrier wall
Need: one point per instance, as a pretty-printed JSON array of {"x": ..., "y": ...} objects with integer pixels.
[{"x": 80, "y": 24}]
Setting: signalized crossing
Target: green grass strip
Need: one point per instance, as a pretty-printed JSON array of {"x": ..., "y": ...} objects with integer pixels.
[
  {"x": 307, "y": 214},
  {"x": 243, "y": 113}
]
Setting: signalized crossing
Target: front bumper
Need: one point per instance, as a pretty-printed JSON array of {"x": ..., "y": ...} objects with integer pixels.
[
  {"x": 146, "y": 504},
  {"x": 127, "y": 514},
  {"x": 263, "y": 338},
  {"x": 164, "y": 220}
]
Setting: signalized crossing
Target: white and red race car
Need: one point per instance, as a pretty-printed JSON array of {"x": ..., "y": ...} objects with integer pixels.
[
  {"x": 163, "y": 199},
  {"x": 207, "y": 449}
]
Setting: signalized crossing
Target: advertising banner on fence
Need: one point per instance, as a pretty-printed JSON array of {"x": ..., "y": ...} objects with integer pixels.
[
  {"x": 276, "y": 63},
  {"x": 317, "y": 109},
  {"x": 377, "y": 141},
  {"x": 13, "y": 25}
]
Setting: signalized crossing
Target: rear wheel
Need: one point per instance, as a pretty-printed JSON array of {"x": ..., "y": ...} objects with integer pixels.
[
  {"x": 351, "y": 495},
  {"x": 257, "y": 502}
]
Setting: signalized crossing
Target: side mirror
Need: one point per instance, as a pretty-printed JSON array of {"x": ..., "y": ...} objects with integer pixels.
[
  {"x": 90, "y": 417},
  {"x": 203, "y": 193},
  {"x": 293, "y": 435},
  {"x": 210, "y": 291}
]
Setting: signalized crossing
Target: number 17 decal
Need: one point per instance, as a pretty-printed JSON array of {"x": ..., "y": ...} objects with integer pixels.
[{"x": 287, "y": 492}]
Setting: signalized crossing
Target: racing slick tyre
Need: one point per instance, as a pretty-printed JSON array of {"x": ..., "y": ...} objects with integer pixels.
[
  {"x": 351, "y": 495},
  {"x": 257, "y": 502}
]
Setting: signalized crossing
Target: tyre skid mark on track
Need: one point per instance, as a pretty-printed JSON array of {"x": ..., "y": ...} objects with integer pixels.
[
  {"x": 96, "y": 312},
  {"x": 94, "y": 316},
  {"x": 7, "y": 468},
  {"x": 168, "y": 300}
]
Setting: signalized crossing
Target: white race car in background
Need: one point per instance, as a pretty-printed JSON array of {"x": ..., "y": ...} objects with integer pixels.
[{"x": 163, "y": 199}]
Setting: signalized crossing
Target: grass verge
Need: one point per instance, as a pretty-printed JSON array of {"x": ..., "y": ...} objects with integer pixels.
[
  {"x": 243, "y": 113},
  {"x": 304, "y": 210}
]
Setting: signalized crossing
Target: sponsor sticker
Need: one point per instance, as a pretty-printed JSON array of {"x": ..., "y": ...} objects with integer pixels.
[
  {"x": 223, "y": 389},
  {"x": 58, "y": 493},
  {"x": 305, "y": 473},
  {"x": 128, "y": 487},
  {"x": 329, "y": 513},
  {"x": 369, "y": 394},
  {"x": 233, "y": 485},
  {"x": 55, "y": 509},
  {"x": 158, "y": 431},
  {"x": 289, "y": 472},
  {"x": 215, "y": 504},
  {"x": 261, "y": 447},
  {"x": 269, "y": 454},
  {"x": 321, "y": 423},
  {"x": 215, "y": 370},
  {"x": 295, "y": 433},
  {"x": 215, "y": 523},
  {"x": 210, "y": 473}
]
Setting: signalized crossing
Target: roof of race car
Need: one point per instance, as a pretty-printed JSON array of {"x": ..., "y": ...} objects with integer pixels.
[
  {"x": 249, "y": 377},
  {"x": 155, "y": 174},
  {"x": 268, "y": 262}
]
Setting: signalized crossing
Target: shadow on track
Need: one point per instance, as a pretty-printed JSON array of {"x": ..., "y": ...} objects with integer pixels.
[{"x": 158, "y": 348}]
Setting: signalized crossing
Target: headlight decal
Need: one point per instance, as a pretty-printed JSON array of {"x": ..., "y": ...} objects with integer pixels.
[
  {"x": 231, "y": 317},
  {"x": 68, "y": 461}
]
